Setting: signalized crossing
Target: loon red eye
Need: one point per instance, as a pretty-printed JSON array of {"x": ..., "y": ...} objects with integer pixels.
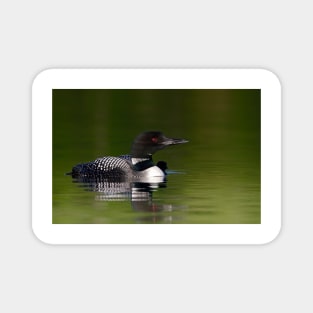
[{"x": 154, "y": 139}]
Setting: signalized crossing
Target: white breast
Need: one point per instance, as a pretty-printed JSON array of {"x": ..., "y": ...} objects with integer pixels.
[
  {"x": 153, "y": 171},
  {"x": 152, "y": 175}
]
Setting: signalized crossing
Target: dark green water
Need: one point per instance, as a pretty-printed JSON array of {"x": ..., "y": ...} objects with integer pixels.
[{"x": 214, "y": 178}]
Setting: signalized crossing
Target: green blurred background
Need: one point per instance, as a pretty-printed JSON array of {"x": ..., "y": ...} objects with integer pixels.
[{"x": 219, "y": 169}]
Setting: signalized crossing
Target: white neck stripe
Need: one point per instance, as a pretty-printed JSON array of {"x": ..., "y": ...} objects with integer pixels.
[{"x": 137, "y": 160}]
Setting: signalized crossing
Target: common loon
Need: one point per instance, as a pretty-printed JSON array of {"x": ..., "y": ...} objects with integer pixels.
[{"x": 136, "y": 166}]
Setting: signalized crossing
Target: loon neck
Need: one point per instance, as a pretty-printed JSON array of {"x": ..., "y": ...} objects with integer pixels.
[
  {"x": 141, "y": 164},
  {"x": 139, "y": 160}
]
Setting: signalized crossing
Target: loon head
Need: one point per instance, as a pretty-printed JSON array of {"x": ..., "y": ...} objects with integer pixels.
[{"x": 149, "y": 142}]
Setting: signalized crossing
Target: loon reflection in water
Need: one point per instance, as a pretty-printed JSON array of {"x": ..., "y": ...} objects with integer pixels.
[{"x": 139, "y": 194}]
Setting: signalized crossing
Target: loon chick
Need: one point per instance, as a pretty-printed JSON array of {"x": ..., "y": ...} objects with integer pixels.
[{"x": 137, "y": 165}]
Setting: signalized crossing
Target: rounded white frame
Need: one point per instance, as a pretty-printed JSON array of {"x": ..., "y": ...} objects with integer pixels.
[{"x": 51, "y": 79}]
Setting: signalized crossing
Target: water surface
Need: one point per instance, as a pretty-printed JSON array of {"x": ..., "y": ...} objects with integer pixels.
[{"x": 213, "y": 179}]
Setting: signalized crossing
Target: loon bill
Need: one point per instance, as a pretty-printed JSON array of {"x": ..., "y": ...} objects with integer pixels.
[{"x": 137, "y": 165}]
